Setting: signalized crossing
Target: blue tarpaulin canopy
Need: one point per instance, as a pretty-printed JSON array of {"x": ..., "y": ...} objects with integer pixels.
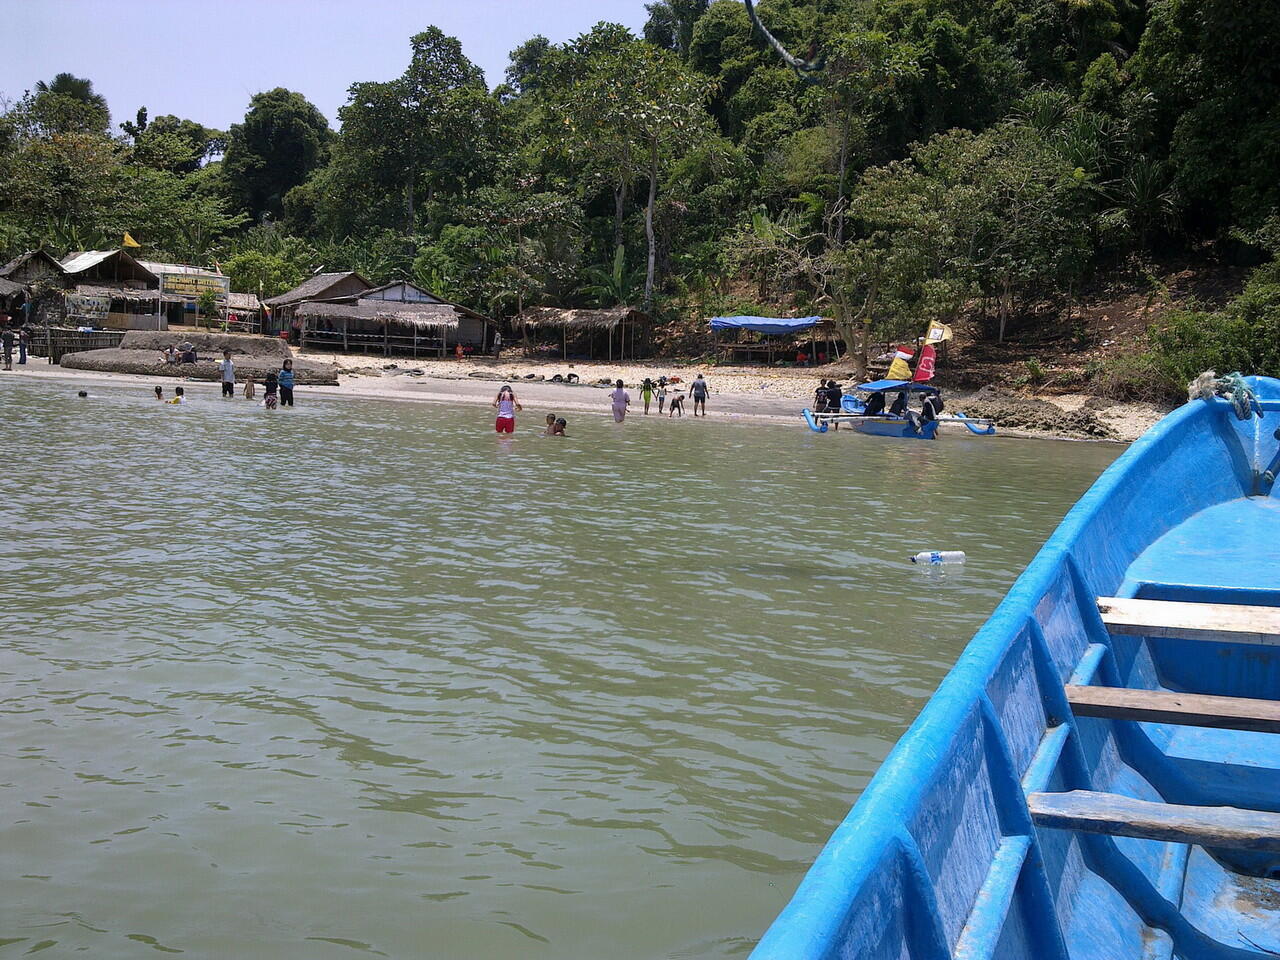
[
  {"x": 882, "y": 386},
  {"x": 765, "y": 324}
]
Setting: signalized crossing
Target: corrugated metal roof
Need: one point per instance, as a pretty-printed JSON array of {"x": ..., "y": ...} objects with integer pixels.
[
  {"x": 158, "y": 268},
  {"x": 84, "y": 259}
]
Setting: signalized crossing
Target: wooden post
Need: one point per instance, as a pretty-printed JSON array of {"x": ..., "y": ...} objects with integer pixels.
[
  {"x": 415, "y": 341},
  {"x": 302, "y": 334},
  {"x": 386, "y": 338},
  {"x": 346, "y": 346},
  {"x": 564, "y": 342}
]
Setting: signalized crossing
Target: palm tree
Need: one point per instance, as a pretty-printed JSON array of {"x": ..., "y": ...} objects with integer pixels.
[
  {"x": 615, "y": 287},
  {"x": 77, "y": 88},
  {"x": 70, "y": 87}
]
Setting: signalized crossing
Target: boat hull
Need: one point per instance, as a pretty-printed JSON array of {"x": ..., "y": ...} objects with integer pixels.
[{"x": 939, "y": 858}]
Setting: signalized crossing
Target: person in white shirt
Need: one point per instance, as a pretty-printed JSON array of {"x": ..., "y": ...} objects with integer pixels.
[{"x": 228, "y": 371}]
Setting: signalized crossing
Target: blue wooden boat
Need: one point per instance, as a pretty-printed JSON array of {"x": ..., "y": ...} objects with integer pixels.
[
  {"x": 1098, "y": 776},
  {"x": 852, "y": 412}
]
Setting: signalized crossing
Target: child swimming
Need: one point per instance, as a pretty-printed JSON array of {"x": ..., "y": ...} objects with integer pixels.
[
  {"x": 179, "y": 396},
  {"x": 551, "y": 426}
]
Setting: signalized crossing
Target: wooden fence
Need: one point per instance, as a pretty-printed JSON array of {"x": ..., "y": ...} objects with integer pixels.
[{"x": 61, "y": 340}]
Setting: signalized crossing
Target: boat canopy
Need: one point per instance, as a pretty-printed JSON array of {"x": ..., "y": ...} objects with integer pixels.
[
  {"x": 890, "y": 386},
  {"x": 765, "y": 324}
]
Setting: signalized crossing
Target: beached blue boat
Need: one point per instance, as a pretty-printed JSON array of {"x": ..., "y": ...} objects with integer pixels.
[
  {"x": 853, "y": 413},
  {"x": 1099, "y": 775}
]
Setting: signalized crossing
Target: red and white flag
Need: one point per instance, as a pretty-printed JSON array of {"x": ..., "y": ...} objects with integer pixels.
[
  {"x": 924, "y": 369},
  {"x": 900, "y": 369}
]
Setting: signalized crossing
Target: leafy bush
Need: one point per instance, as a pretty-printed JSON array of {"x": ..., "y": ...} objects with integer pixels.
[{"x": 1245, "y": 336}]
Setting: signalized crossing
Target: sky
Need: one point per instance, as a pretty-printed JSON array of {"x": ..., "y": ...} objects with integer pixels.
[{"x": 203, "y": 60}]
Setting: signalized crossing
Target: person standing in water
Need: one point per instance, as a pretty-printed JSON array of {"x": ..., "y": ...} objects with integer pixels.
[
  {"x": 249, "y": 390},
  {"x": 698, "y": 390},
  {"x": 228, "y": 370},
  {"x": 285, "y": 379},
  {"x": 269, "y": 391},
  {"x": 159, "y": 393},
  {"x": 646, "y": 394},
  {"x": 621, "y": 400},
  {"x": 507, "y": 405}
]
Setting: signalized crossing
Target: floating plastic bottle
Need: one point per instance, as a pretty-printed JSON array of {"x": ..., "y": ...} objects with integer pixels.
[{"x": 939, "y": 556}]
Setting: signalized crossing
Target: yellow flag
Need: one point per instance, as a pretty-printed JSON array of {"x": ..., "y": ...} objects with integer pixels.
[
  {"x": 938, "y": 332},
  {"x": 129, "y": 241},
  {"x": 900, "y": 369}
]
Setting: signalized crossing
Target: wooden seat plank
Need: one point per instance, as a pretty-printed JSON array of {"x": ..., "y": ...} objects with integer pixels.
[
  {"x": 1185, "y": 709},
  {"x": 1116, "y": 815},
  {"x": 1217, "y": 622}
]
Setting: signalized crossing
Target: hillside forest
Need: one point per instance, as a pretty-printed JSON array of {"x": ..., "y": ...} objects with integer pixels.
[{"x": 881, "y": 162}]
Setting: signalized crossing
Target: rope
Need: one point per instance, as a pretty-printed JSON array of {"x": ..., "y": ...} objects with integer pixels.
[{"x": 1244, "y": 403}]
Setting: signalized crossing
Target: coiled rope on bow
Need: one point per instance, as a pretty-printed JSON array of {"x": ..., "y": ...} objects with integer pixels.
[{"x": 1231, "y": 388}]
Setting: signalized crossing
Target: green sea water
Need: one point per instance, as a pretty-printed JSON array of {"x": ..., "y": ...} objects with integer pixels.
[{"x": 363, "y": 678}]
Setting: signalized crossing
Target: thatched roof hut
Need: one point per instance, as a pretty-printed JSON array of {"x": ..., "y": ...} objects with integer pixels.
[
  {"x": 608, "y": 318},
  {"x": 397, "y": 317},
  {"x": 33, "y": 266},
  {"x": 433, "y": 316},
  {"x": 617, "y": 323},
  {"x": 322, "y": 286}
]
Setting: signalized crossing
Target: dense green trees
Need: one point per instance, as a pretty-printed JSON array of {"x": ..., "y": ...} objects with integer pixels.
[
  {"x": 282, "y": 140},
  {"x": 906, "y": 160}
]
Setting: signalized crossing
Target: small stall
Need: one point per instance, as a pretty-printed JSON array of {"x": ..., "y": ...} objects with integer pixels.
[
  {"x": 618, "y": 324},
  {"x": 763, "y": 348}
]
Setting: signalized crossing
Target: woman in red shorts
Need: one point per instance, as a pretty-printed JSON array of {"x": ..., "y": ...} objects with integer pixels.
[{"x": 507, "y": 405}]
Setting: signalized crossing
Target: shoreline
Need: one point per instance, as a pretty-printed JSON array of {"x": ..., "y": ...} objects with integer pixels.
[{"x": 744, "y": 395}]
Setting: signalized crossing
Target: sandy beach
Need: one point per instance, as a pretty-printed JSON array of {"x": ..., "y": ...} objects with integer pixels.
[{"x": 737, "y": 393}]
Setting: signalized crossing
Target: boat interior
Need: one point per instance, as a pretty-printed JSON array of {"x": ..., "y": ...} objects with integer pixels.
[{"x": 1099, "y": 775}]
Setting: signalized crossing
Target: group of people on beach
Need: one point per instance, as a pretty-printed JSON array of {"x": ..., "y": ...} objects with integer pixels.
[
  {"x": 9, "y": 338},
  {"x": 668, "y": 393}
]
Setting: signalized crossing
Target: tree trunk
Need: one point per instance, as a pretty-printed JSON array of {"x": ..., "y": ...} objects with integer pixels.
[
  {"x": 648, "y": 221},
  {"x": 620, "y": 197},
  {"x": 408, "y": 196},
  {"x": 844, "y": 166}
]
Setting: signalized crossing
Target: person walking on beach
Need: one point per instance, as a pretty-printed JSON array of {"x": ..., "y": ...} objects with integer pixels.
[
  {"x": 507, "y": 405},
  {"x": 646, "y": 394},
  {"x": 228, "y": 371},
  {"x": 285, "y": 378},
  {"x": 24, "y": 344},
  {"x": 698, "y": 390},
  {"x": 677, "y": 404},
  {"x": 621, "y": 400},
  {"x": 662, "y": 395},
  {"x": 6, "y": 341}
]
